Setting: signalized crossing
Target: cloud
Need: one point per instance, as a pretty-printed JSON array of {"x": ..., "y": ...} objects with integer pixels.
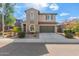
[
  {"x": 74, "y": 17},
  {"x": 38, "y": 6},
  {"x": 54, "y": 6},
  {"x": 41, "y": 6},
  {"x": 64, "y": 14}
]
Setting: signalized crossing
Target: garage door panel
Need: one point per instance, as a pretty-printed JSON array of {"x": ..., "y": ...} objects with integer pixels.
[{"x": 46, "y": 29}]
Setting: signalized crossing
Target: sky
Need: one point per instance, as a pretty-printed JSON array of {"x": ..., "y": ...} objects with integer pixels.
[{"x": 65, "y": 11}]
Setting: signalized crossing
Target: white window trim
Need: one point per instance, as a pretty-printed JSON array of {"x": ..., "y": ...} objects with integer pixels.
[
  {"x": 30, "y": 26},
  {"x": 50, "y": 17}
]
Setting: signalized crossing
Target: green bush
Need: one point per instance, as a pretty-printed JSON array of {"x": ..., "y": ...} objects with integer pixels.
[
  {"x": 68, "y": 35},
  {"x": 69, "y": 31},
  {"x": 21, "y": 34},
  {"x": 76, "y": 30}
]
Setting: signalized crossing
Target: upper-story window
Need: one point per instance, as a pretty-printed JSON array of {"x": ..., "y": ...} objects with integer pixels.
[
  {"x": 32, "y": 16},
  {"x": 48, "y": 17}
]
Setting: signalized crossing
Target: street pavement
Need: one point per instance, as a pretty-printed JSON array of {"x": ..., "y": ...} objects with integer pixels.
[{"x": 39, "y": 49}]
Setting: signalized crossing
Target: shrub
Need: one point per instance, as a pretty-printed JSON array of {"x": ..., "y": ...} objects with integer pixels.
[
  {"x": 69, "y": 35},
  {"x": 66, "y": 31},
  {"x": 0, "y": 33},
  {"x": 16, "y": 29},
  {"x": 69, "y": 31},
  {"x": 21, "y": 34}
]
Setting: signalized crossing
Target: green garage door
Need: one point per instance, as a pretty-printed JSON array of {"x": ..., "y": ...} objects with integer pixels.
[{"x": 46, "y": 29}]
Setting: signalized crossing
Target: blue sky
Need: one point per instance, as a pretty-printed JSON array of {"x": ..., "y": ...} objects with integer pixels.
[{"x": 65, "y": 11}]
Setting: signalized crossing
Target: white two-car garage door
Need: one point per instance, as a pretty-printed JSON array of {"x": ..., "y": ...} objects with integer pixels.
[{"x": 47, "y": 29}]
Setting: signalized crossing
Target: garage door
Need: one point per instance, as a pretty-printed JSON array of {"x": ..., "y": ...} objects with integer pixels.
[{"x": 46, "y": 29}]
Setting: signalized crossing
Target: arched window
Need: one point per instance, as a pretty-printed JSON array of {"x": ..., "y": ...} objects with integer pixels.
[{"x": 32, "y": 28}]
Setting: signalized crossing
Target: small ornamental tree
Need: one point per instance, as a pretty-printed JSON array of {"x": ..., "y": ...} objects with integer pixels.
[
  {"x": 72, "y": 27},
  {"x": 16, "y": 29}
]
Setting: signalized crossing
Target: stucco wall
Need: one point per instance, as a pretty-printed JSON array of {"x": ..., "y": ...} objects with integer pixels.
[
  {"x": 38, "y": 18},
  {"x": 29, "y": 21},
  {"x": 42, "y": 18}
]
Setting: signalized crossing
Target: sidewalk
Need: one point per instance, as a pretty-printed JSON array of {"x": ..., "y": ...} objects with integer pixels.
[
  {"x": 53, "y": 41},
  {"x": 5, "y": 41},
  {"x": 69, "y": 41}
]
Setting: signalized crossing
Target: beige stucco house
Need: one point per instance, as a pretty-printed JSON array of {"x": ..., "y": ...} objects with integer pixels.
[{"x": 39, "y": 22}]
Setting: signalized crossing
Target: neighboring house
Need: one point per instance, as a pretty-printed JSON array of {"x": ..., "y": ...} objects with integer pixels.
[
  {"x": 18, "y": 22},
  {"x": 59, "y": 28},
  {"x": 39, "y": 22}
]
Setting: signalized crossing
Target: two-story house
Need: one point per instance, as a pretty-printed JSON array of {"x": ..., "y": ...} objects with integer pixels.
[{"x": 39, "y": 22}]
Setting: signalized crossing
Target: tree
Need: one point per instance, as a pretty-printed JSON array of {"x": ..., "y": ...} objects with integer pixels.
[
  {"x": 76, "y": 26},
  {"x": 73, "y": 25},
  {"x": 0, "y": 13},
  {"x": 6, "y": 16},
  {"x": 8, "y": 11},
  {"x": 0, "y": 17}
]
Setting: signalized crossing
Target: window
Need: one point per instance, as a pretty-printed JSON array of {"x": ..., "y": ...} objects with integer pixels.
[
  {"x": 48, "y": 17},
  {"x": 32, "y": 16},
  {"x": 32, "y": 28}
]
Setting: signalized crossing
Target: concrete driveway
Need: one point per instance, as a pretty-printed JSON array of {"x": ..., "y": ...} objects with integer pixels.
[
  {"x": 48, "y": 38},
  {"x": 51, "y": 36}
]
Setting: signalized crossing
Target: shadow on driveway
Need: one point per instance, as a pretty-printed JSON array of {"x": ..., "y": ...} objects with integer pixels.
[{"x": 23, "y": 49}]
